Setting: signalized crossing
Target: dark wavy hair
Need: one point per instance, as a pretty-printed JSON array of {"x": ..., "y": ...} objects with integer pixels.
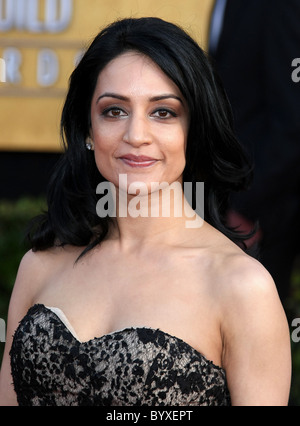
[{"x": 213, "y": 154}]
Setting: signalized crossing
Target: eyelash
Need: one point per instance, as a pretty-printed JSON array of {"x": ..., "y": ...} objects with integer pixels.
[
  {"x": 168, "y": 111},
  {"x": 106, "y": 112}
]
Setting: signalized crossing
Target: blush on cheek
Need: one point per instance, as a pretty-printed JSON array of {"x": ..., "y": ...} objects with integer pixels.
[{"x": 100, "y": 163}]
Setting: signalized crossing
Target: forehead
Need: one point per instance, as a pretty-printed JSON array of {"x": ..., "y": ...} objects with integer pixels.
[{"x": 134, "y": 74}]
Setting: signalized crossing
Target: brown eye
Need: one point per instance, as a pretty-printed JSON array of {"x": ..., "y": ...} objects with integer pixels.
[
  {"x": 113, "y": 112},
  {"x": 164, "y": 113}
]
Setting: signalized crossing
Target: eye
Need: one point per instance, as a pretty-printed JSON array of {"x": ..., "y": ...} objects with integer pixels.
[
  {"x": 164, "y": 113},
  {"x": 114, "y": 112}
]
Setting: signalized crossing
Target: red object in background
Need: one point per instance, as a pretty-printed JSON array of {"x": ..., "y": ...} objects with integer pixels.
[{"x": 241, "y": 224}]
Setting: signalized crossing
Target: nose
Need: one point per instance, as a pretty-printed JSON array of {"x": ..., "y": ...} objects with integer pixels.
[{"x": 137, "y": 131}]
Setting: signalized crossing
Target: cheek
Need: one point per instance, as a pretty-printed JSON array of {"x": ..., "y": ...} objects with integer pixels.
[
  {"x": 181, "y": 151},
  {"x": 102, "y": 152},
  {"x": 104, "y": 140},
  {"x": 174, "y": 151},
  {"x": 106, "y": 136},
  {"x": 176, "y": 144}
]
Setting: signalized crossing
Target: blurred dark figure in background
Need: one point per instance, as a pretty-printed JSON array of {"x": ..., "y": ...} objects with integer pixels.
[{"x": 254, "y": 45}]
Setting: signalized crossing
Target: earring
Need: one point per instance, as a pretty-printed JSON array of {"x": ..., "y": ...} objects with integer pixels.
[{"x": 89, "y": 144}]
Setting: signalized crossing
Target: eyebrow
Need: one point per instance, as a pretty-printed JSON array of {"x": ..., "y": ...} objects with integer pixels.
[{"x": 152, "y": 99}]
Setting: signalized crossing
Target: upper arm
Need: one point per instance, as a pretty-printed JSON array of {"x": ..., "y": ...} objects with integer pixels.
[
  {"x": 29, "y": 274},
  {"x": 257, "y": 354}
]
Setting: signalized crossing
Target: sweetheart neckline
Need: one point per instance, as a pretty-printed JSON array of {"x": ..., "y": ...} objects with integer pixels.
[{"x": 125, "y": 329}]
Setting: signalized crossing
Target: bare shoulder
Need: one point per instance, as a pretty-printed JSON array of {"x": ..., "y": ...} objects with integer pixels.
[
  {"x": 255, "y": 333},
  {"x": 33, "y": 268},
  {"x": 35, "y": 271},
  {"x": 248, "y": 294},
  {"x": 232, "y": 273},
  {"x": 246, "y": 290},
  {"x": 35, "y": 261},
  {"x": 244, "y": 277}
]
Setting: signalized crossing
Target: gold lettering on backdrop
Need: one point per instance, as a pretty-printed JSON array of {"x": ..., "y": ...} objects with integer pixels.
[
  {"x": 45, "y": 56},
  {"x": 2, "y": 71},
  {"x": 35, "y": 16}
]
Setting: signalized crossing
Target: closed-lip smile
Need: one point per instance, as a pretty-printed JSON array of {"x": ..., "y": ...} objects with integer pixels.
[{"x": 138, "y": 160}]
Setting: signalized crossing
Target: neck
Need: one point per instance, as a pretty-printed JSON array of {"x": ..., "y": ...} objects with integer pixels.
[{"x": 161, "y": 215}]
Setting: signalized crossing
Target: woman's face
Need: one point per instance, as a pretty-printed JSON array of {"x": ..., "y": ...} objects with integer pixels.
[{"x": 139, "y": 122}]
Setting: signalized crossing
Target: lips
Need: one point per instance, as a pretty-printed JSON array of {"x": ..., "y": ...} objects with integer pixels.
[{"x": 138, "y": 160}]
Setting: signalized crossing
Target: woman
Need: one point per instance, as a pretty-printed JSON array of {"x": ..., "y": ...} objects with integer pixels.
[{"x": 140, "y": 308}]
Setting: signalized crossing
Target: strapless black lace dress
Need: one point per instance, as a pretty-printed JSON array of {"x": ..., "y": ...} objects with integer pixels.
[{"x": 130, "y": 367}]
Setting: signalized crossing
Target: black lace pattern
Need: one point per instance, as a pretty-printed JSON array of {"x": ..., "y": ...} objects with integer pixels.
[{"x": 130, "y": 367}]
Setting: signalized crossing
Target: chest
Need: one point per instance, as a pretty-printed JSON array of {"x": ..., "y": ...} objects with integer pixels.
[{"x": 160, "y": 292}]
